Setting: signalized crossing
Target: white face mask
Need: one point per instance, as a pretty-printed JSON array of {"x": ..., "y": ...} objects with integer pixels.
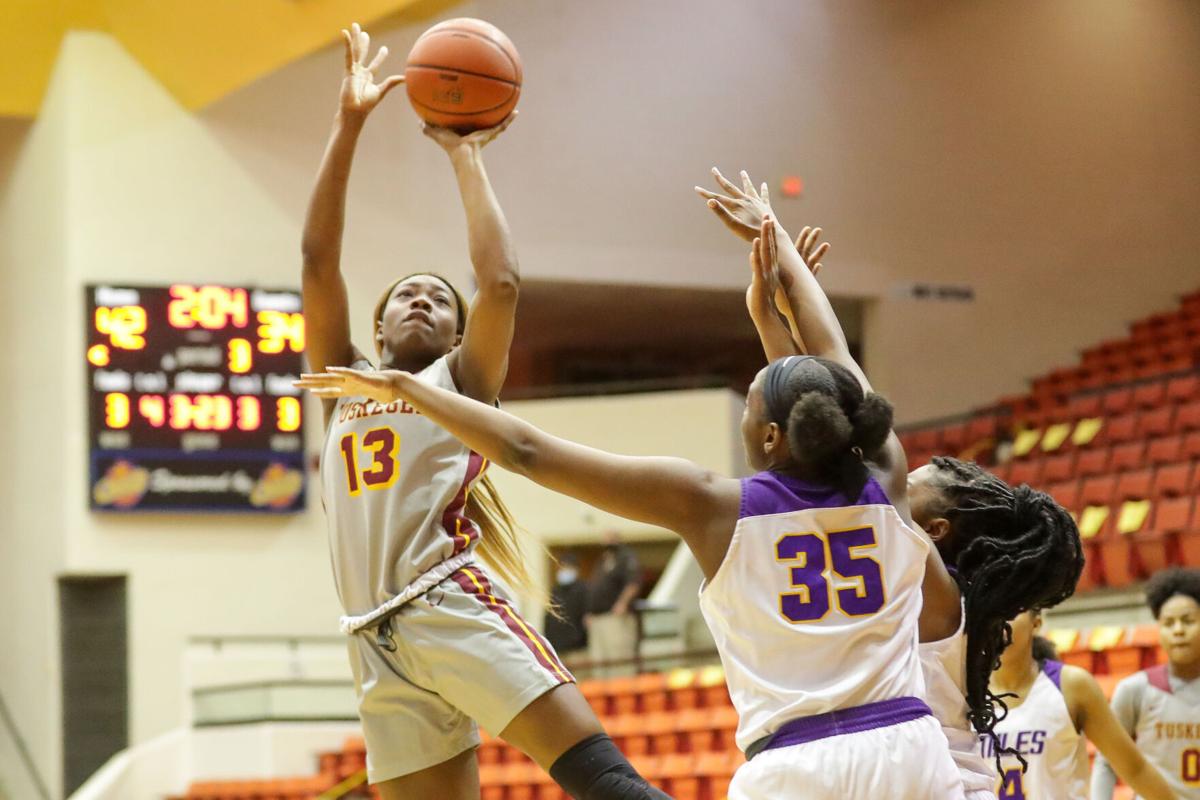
[{"x": 567, "y": 574}]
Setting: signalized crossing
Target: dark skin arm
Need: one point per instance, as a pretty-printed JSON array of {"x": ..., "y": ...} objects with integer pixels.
[
  {"x": 672, "y": 493},
  {"x": 822, "y": 334},
  {"x": 480, "y": 362},
  {"x": 326, "y": 307},
  {"x": 1094, "y": 719}
]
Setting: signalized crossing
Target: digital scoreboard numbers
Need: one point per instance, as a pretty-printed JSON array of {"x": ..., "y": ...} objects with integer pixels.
[{"x": 191, "y": 405}]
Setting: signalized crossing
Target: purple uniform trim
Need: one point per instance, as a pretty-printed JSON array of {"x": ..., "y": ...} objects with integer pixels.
[
  {"x": 1053, "y": 670},
  {"x": 883, "y": 714},
  {"x": 774, "y": 493}
]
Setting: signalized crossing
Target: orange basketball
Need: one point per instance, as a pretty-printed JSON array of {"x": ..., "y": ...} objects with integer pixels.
[{"x": 463, "y": 74}]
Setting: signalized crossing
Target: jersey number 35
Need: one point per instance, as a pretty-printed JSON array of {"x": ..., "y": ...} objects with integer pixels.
[{"x": 818, "y": 559}]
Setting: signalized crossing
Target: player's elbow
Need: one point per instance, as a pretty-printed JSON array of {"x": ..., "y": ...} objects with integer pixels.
[
  {"x": 521, "y": 454},
  {"x": 502, "y": 284}
]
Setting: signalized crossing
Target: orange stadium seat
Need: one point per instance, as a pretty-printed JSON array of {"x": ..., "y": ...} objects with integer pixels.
[
  {"x": 1090, "y": 463},
  {"x": 1187, "y": 417},
  {"x": 1130, "y": 455},
  {"x": 1155, "y": 422},
  {"x": 1057, "y": 468},
  {"x": 1150, "y": 395},
  {"x": 652, "y": 690},
  {"x": 1183, "y": 388}
]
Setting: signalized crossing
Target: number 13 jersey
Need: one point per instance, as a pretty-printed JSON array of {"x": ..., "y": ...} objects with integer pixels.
[
  {"x": 394, "y": 487},
  {"x": 815, "y": 606}
]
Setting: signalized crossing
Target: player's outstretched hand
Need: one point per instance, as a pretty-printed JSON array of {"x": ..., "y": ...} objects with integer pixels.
[
  {"x": 764, "y": 272},
  {"x": 451, "y": 141},
  {"x": 335, "y": 382},
  {"x": 742, "y": 210},
  {"x": 360, "y": 93},
  {"x": 810, "y": 250}
]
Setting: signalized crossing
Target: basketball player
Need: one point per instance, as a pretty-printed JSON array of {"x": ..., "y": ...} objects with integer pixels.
[
  {"x": 813, "y": 569},
  {"x": 435, "y": 645},
  {"x": 1008, "y": 549},
  {"x": 1052, "y": 708},
  {"x": 1159, "y": 707}
]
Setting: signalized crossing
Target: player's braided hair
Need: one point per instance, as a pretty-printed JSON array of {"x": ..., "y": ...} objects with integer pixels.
[
  {"x": 1167, "y": 583},
  {"x": 833, "y": 427},
  {"x": 1014, "y": 549}
]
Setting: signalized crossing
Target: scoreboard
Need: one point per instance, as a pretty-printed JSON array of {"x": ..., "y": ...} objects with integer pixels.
[{"x": 191, "y": 403}]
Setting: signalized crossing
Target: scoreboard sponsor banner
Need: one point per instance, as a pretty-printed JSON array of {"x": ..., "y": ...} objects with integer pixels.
[{"x": 191, "y": 400}]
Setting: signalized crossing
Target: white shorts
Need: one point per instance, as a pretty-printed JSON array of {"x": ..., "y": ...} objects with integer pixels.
[
  {"x": 461, "y": 655},
  {"x": 908, "y": 761}
]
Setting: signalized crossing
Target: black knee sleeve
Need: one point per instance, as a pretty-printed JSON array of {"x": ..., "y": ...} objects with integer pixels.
[{"x": 594, "y": 769}]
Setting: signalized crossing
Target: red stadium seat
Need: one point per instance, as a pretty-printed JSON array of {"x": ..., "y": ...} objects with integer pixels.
[
  {"x": 1028, "y": 471},
  {"x": 1135, "y": 485},
  {"x": 1164, "y": 450},
  {"x": 1118, "y": 401},
  {"x": 1130, "y": 455},
  {"x": 1187, "y": 418},
  {"x": 1183, "y": 388},
  {"x": 1191, "y": 445},
  {"x": 954, "y": 438},
  {"x": 651, "y": 688},
  {"x": 1171, "y": 480},
  {"x": 1089, "y": 463},
  {"x": 1085, "y": 405},
  {"x": 1117, "y": 429},
  {"x": 1057, "y": 468},
  {"x": 1189, "y": 540},
  {"x": 1099, "y": 490},
  {"x": 1155, "y": 422},
  {"x": 1066, "y": 494},
  {"x": 1150, "y": 395},
  {"x": 1157, "y": 545}
]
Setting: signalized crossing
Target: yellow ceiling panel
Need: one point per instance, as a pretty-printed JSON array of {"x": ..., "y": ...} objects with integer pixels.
[{"x": 200, "y": 51}]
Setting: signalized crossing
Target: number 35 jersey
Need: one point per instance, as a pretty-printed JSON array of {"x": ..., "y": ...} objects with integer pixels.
[
  {"x": 394, "y": 487},
  {"x": 815, "y": 606}
]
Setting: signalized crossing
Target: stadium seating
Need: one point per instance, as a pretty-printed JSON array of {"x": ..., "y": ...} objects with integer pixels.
[
  {"x": 672, "y": 726},
  {"x": 1115, "y": 440}
]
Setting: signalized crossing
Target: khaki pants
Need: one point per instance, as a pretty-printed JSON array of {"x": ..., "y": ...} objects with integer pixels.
[{"x": 613, "y": 637}]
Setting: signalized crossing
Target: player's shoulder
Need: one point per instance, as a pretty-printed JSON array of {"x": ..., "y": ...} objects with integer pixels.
[{"x": 1072, "y": 680}]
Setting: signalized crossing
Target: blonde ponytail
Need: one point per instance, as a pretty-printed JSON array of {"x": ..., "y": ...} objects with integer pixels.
[{"x": 499, "y": 545}]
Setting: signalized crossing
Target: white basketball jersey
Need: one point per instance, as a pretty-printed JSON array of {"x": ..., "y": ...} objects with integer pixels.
[
  {"x": 1168, "y": 728},
  {"x": 1042, "y": 731},
  {"x": 945, "y": 667},
  {"x": 394, "y": 487},
  {"x": 815, "y": 606}
]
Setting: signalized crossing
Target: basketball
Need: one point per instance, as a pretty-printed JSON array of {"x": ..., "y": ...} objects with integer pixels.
[{"x": 463, "y": 74}]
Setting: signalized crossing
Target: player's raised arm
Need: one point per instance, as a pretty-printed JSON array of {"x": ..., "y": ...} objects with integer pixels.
[
  {"x": 480, "y": 363},
  {"x": 671, "y": 493},
  {"x": 326, "y": 309}
]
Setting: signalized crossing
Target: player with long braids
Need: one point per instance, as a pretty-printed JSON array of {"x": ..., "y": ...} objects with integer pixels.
[
  {"x": 1009, "y": 549},
  {"x": 809, "y": 565},
  {"x": 435, "y": 646}
]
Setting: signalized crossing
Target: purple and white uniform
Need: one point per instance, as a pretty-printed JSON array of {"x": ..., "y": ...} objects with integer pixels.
[
  {"x": 1042, "y": 731},
  {"x": 814, "y": 611}
]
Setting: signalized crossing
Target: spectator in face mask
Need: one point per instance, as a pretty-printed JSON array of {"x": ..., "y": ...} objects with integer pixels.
[
  {"x": 568, "y": 634},
  {"x": 612, "y": 625}
]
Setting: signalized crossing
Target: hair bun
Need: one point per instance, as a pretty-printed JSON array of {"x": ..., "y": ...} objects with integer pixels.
[
  {"x": 872, "y": 422},
  {"x": 818, "y": 429}
]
